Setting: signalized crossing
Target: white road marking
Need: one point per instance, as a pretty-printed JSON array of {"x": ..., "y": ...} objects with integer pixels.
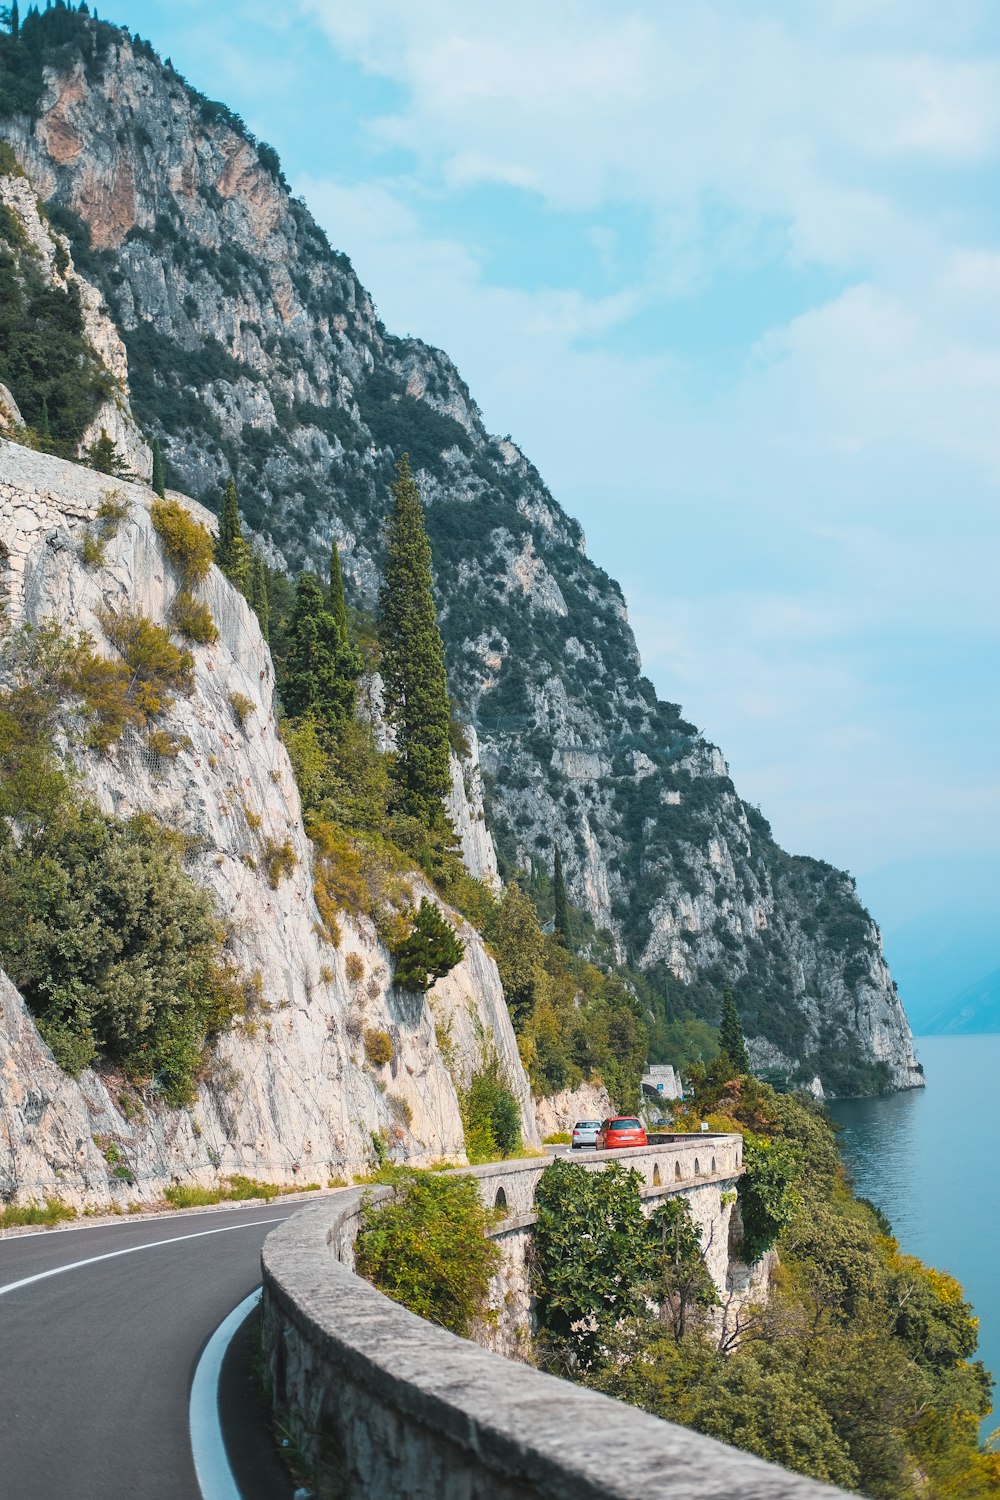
[
  {"x": 208, "y": 1447},
  {"x": 13, "y": 1286}
]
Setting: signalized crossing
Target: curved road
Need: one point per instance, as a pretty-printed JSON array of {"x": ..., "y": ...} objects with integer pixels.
[{"x": 97, "y": 1360}]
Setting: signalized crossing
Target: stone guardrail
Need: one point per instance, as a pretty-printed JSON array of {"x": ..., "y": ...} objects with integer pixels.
[{"x": 386, "y": 1406}]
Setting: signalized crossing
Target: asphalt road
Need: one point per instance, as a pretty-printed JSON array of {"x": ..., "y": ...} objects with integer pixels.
[{"x": 96, "y": 1362}]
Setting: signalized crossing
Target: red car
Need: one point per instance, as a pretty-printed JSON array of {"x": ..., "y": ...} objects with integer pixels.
[{"x": 619, "y": 1131}]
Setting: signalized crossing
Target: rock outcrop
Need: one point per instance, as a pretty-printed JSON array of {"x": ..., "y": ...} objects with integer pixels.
[
  {"x": 252, "y": 343},
  {"x": 290, "y": 1097}
]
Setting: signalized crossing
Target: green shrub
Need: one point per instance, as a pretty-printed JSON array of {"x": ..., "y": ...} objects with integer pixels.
[
  {"x": 193, "y": 619},
  {"x": 428, "y": 1248},
  {"x": 168, "y": 745},
  {"x": 378, "y": 1047},
  {"x": 279, "y": 862},
  {"x": 187, "y": 544},
  {"x": 766, "y": 1199},
  {"x": 491, "y": 1118},
  {"x": 190, "y": 1195},
  {"x": 113, "y": 509},
  {"x": 242, "y": 707},
  {"x": 14, "y": 1215},
  {"x": 118, "y": 954},
  {"x": 158, "y": 669},
  {"x": 580, "y": 1297},
  {"x": 92, "y": 550},
  {"x": 430, "y": 951}
]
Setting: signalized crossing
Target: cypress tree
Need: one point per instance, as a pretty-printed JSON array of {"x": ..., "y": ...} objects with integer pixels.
[
  {"x": 561, "y": 924},
  {"x": 158, "y": 481},
  {"x": 44, "y": 427},
  {"x": 731, "y": 1038},
  {"x": 257, "y": 595},
  {"x": 321, "y": 670},
  {"x": 413, "y": 657},
  {"x": 338, "y": 604},
  {"x": 14, "y": 19},
  {"x": 232, "y": 552}
]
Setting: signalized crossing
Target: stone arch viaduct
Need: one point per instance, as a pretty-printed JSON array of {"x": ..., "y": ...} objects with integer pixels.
[{"x": 384, "y": 1405}]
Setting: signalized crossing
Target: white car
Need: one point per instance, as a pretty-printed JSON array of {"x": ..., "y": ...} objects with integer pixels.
[{"x": 585, "y": 1133}]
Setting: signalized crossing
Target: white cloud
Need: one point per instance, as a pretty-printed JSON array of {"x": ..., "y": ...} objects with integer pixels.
[{"x": 804, "y": 524}]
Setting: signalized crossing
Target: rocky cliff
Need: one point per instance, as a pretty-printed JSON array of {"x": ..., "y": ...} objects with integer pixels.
[
  {"x": 253, "y": 348},
  {"x": 290, "y": 1096}
]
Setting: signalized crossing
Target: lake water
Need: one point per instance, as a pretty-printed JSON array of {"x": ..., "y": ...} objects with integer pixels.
[{"x": 930, "y": 1159}]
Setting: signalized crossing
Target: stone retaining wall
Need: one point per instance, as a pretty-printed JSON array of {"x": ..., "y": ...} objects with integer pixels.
[
  {"x": 385, "y": 1406},
  {"x": 39, "y": 494}
]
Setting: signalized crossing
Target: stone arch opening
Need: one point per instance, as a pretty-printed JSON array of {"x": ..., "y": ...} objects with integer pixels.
[
  {"x": 714, "y": 1168},
  {"x": 500, "y": 1201},
  {"x": 656, "y": 1174},
  {"x": 697, "y": 1167},
  {"x": 677, "y": 1170}
]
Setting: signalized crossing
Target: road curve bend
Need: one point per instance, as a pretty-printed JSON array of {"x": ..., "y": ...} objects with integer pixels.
[{"x": 101, "y": 1330}]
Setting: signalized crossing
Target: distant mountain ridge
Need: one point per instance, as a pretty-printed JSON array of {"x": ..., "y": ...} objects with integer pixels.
[{"x": 253, "y": 348}]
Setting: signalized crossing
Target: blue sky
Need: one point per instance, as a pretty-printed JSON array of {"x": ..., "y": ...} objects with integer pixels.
[{"x": 731, "y": 277}]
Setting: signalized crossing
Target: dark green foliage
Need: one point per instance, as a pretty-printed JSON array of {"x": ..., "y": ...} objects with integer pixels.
[
  {"x": 413, "y": 657},
  {"x": 731, "y": 1038},
  {"x": 232, "y": 552},
  {"x": 102, "y": 454},
  {"x": 407, "y": 426},
  {"x": 429, "y": 952},
  {"x": 321, "y": 670},
  {"x": 338, "y": 604},
  {"x": 738, "y": 1400},
  {"x": 116, "y": 951},
  {"x": 491, "y": 1119},
  {"x": 582, "y": 1293},
  {"x": 158, "y": 483},
  {"x": 560, "y": 931},
  {"x": 766, "y": 1199},
  {"x": 258, "y": 593},
  {"x": 54, "y": 375},
  {"x": 427, "y": 1248},
  {"x": 519, "y": 945}
]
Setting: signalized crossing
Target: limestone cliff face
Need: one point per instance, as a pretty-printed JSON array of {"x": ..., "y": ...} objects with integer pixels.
[
  {"x": 252, "y": 345},
  {"x": 290, "y": 1096},
  {"x": 50, "y": 251}
]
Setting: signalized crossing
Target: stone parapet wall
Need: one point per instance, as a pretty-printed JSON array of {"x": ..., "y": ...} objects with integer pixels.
[
  {"x": 384, "y": 1405},
  {"x": 40, "y": 494}
]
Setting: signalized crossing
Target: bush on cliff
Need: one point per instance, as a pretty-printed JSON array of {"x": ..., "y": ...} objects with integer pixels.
[
  {"x": 119, "y": 955},
  {"x": 115, "y": 950},
  {"x": 427, "y": 1248}
]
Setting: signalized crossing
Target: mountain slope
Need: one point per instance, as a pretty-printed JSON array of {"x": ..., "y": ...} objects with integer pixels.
[{"x": 253, "y": 348}]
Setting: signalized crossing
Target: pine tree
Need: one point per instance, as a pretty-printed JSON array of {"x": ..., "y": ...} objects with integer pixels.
[
  {"x": 413, "y": 657},
  {"x": 232, "y": 552},
  {"x": 338, "y": 604},
  {"x": 561, "y": 923},
  {"x": 158, "y": 481},
  {"x": 731, "y": 1038},
  {"x": 321, "y": 669},
  {"x": 257, "y": 595}
]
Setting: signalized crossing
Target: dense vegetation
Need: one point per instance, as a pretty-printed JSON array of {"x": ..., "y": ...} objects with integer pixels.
[
  {"x": 45, "y": 359},
  {"x": 859, "y": 1370},
  {"x": 119, "y": 955},
  {"x": 427, "y": 1248}
]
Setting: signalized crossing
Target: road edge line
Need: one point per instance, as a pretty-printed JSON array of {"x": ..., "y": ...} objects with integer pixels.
[{"x": 216, "y": 1480}]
